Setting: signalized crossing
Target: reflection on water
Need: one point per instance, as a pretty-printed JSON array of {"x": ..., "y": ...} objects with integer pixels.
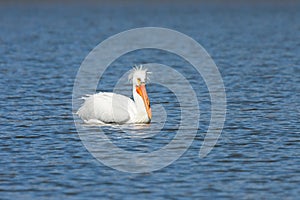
[{"x": 256, "y": 50}]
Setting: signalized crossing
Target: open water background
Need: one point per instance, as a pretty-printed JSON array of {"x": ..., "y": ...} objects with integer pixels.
[{"x": 256, "y": 48}]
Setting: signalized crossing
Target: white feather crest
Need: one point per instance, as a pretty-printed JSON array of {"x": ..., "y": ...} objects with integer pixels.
[{"x": 138, "y": 69}]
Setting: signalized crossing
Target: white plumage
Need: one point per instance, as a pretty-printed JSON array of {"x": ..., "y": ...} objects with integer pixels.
[{"x": 107, "y": 107}]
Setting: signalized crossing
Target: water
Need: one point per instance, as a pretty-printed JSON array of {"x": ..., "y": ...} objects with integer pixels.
[{"x": 256, "y": 48}]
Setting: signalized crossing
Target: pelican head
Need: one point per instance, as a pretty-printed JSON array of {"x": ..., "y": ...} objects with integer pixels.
[{"x": 139, "y": 78}]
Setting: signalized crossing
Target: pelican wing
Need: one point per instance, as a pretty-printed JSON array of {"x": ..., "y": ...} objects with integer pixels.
[{"x": 107, "y": 107}]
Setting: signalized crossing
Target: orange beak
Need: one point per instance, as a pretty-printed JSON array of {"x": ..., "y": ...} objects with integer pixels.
[{"x": 141, "y": 90}]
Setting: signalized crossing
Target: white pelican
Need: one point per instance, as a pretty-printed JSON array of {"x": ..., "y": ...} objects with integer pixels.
[{"x": 107, "y": 107}]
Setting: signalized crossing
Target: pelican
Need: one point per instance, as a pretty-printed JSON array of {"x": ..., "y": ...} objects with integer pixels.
[{"x": 107, "y": 107}]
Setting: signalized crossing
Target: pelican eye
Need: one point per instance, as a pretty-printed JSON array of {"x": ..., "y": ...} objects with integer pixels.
[{"x": 139, "y": 81}]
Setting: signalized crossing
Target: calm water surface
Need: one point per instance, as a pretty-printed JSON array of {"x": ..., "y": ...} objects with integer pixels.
[{"x": 257, "y": 51}]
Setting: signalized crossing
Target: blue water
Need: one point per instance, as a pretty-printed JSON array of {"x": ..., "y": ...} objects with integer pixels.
[{"x": 256, "y": 48}]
